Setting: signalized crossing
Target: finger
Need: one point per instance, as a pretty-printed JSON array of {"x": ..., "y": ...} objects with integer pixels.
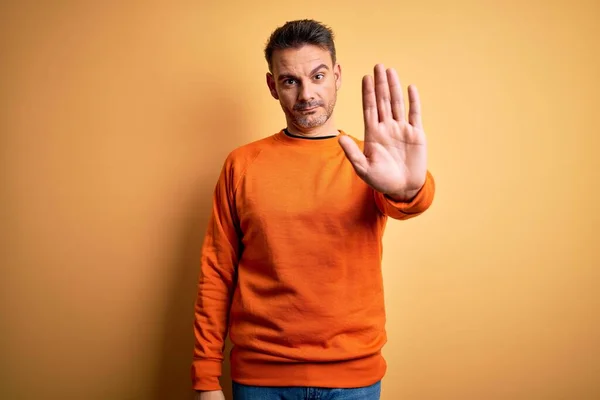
[
  {"x": 354, "y": 155},
  {"x": 414, "y": 113},
  {"x": 397, "y": 99},
  {"x": 369, "y": 103},
  {"x": 382, "y": 92}
]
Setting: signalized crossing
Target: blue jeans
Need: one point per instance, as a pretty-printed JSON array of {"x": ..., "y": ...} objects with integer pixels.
[{"x": 243, "y": 392}]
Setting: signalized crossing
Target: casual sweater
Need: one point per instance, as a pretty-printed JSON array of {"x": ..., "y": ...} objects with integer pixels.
[{"x": 291, "y": 268}]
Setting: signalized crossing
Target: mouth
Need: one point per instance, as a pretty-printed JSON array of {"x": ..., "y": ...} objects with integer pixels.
[{"x": 305, "y": 110}]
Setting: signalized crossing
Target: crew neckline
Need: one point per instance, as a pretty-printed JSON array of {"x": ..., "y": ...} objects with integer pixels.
[
  {"x": 287, "y": 132},
  {"x": 308, "y": 142}
]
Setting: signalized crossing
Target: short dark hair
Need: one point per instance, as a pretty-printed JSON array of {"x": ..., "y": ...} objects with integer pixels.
[{"x": 295, "y": 34}]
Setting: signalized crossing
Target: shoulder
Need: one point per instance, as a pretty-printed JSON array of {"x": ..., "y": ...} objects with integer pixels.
[
  {"x": 238, "y": 161},
  {"x": 245, "y": 154},
  {"x": 251, "y": 148}
]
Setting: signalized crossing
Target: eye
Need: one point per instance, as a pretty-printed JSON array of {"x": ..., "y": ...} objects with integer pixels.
[
  {"x": 289, "y": 82},
  {"x": 319, "y": 76}
]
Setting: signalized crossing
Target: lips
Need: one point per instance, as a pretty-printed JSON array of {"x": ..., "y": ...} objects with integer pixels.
[{"x": 306, "y": 106}]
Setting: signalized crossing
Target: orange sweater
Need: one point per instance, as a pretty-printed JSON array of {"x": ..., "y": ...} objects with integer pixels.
[{"x": 291, "y": 268}]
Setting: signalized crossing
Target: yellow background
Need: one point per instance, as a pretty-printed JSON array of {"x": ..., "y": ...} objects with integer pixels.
[{"x": 115, "y": 120}]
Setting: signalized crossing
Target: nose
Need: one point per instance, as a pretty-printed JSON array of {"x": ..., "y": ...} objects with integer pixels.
[{"x": 305, "y": 93}]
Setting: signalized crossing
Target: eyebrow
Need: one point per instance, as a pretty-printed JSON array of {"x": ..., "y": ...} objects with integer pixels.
[{"x": 289, "y": 76}]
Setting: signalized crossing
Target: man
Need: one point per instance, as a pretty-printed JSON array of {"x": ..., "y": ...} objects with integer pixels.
[{"x": 291, "y": 262}]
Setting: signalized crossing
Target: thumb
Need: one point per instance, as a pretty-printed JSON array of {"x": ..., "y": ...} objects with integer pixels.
[{"x": 354, "y": 155}]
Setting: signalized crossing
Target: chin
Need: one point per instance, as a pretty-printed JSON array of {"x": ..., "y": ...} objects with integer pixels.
[{"x": 311, "y": 122}]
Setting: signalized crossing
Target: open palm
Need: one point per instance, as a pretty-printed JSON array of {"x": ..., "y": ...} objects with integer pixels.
[{"x": 394, "y": 159}]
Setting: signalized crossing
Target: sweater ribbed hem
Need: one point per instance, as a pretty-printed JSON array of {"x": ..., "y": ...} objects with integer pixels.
[{"x": 343, "y": 374}]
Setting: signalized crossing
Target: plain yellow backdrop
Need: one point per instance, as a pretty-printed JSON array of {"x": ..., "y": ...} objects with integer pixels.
[{"x": 115, "y": 120}]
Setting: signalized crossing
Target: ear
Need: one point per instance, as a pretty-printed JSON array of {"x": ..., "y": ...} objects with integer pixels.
[
  {"x": 271, "y": 85},
  {"x": 337, "y": 73}
]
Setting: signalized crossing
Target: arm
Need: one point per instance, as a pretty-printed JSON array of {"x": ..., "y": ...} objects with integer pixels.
[{"x": 219, "y": 259}]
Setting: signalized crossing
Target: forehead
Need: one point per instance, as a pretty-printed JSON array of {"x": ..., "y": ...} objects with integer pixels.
[{"x": 300, "y": 60}]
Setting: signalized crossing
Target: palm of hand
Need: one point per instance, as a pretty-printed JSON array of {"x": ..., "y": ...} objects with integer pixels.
[{"x": 394, "y": 158}]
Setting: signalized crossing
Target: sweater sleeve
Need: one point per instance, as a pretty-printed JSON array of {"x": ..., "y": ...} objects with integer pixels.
[
  {"x": 404, "y": 210},
  {"x": 219, "y": 259}
]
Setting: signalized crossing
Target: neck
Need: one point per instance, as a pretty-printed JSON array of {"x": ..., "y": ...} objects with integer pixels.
[{"x": 327, "y": 129}]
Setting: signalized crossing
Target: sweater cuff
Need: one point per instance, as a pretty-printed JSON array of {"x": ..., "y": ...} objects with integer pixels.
[
  {"x": 417, "y": 205},
  {"x": 205, "y": 374}
]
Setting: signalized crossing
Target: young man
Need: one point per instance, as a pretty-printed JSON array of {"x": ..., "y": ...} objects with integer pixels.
[{"x": 291, "y": 262}]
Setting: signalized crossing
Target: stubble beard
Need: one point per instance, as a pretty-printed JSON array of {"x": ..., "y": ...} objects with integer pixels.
[{"x": 312, "y": 121}]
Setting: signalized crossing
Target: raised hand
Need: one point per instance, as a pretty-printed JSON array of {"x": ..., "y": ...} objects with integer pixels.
[{"x": 394, "y": 159}]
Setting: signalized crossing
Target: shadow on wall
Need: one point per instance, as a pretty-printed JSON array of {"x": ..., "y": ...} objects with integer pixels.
[{"x": 173, "y": 380}]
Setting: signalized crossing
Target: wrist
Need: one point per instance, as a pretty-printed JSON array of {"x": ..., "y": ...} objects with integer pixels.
[{"x": 404, "y": 196}]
